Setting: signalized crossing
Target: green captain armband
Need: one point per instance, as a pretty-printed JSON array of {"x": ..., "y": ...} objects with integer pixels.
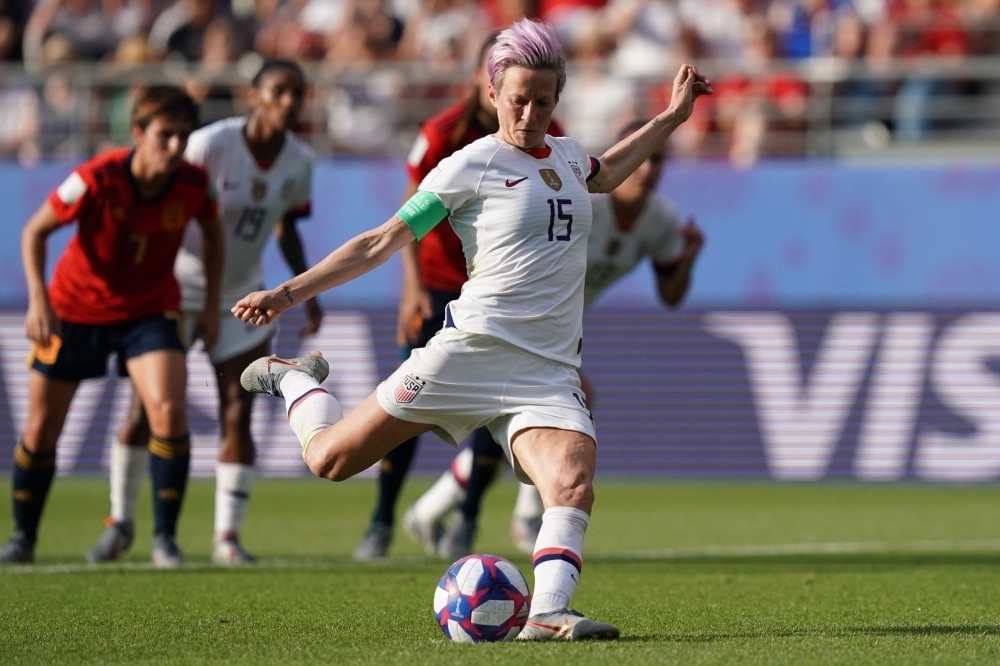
[{"x": 422, "y": 213}]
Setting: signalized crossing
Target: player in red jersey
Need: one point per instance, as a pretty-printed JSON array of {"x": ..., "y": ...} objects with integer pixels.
[
  {"x": 114, "y": 290},
  {"x": 434, "y": 271}
]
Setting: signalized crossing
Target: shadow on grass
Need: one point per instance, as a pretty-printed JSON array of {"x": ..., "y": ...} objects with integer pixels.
[
  {"x": 932, "y": 630},
  {"x": 845, "y": 560},
  {"x": 920, "y": 630}
]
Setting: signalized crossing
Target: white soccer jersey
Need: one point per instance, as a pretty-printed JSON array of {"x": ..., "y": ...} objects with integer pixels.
[
  {"x": 251, "y": 202},
  {"x": 611, "y": 252},
  {"x": 523, "y": 220}
]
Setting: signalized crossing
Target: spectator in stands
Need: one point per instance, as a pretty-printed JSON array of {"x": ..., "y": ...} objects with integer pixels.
[
  {"x": 723, "y": 25},
  {"x": 220, "y": 48},
  {"x": 19, "y": 124},
  {"x": 13, "y": 17},
  {"x": 649, "y": 33},
  {"x": 922, "y": 28},
  {"x": 179, "y": 31},
  {"x": 367, "y": 35},
  {"x": 90, "y": 28},
  {"x": 296, "y": 29},
  {"x": 441, "y": 33},
  {"x": 593, "y": 103}
]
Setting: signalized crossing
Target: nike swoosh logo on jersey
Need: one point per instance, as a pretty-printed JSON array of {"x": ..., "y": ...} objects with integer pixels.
[{"x": 510, "y": 184}]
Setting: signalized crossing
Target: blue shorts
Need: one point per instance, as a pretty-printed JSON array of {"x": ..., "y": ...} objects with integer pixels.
[{"x": 85, "y": 348}]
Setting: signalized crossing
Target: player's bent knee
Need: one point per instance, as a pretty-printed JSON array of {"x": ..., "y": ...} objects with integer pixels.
[{"x": 168, "y": 416}]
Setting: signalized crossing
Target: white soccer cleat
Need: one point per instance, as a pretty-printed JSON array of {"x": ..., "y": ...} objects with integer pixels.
[
  {"x": 264, "y": 375},
  {"x": 567, "y": 625},
  {"x": 166, "y": 554},
  {"x": 425, "y": 533},
  {"x": 228, "y": 551},
  {"x": 524, "y": 532}
]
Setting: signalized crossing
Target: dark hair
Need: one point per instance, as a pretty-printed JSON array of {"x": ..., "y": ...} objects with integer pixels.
[
  {"x": 471, "y": 101},
  {"x": 271, "y": 65},
  {"x": 168, "y": 101}
]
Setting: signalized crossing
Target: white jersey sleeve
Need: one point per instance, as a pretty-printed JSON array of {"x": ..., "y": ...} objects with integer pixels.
[
  {"x": 198, "y": 145},
  {"x": 456, "y": 178}
]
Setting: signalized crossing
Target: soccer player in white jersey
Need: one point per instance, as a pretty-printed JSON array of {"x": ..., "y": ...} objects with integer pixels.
[
  {"x": 508, "y": 354},
  {"x": 630, "y": 224},
  {"x": 262, "y": 173}
]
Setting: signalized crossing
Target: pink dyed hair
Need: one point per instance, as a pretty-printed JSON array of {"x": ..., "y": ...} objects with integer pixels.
[{"x": 531, "y": 44}]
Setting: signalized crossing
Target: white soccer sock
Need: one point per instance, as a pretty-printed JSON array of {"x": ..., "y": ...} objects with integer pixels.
[
  {"x": 232, "y": 492},
  {"x": 128, "y": 469},
  {"x": 529, "y": 503},
  {"x": 310, "y": 408},
  {"x": 558, "y": 558},
  {"x": 447, "y": 492}
]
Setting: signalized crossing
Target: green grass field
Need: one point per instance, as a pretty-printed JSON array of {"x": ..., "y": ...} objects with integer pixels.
[{"x": 693, "y": 574}]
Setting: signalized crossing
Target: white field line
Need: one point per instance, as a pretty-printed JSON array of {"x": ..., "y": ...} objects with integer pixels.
[{"x": 709, "y": 552}]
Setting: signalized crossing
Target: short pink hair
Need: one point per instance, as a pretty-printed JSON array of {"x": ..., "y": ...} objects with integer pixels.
[{"x": 530, "y": 44}]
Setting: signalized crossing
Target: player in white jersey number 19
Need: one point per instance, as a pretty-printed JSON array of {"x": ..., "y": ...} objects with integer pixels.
[
  {"x": 507, "y": 358},
  {"x": 262, "y": 174},
  {"x": 630, "y": 224}
]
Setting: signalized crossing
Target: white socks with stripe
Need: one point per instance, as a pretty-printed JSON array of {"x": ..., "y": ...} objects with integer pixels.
[
  {"x": 128, "y": 469},
  {"x": 558, "y": 558},
  {"x": 309, "y": 407},
  {"x": 529, "y": 502},
  {"x": 447, "y": 492},
  {"x": 232, "y": 492}
]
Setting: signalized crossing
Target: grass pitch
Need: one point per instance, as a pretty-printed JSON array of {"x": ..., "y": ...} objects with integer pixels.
[{"x": 693, "y": 574}]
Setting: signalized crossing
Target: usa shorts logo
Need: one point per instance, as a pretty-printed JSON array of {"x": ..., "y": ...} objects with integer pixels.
[{"x": 408, "y": 389}]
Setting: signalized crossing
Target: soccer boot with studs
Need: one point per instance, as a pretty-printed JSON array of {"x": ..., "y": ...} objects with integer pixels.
[
  {"x": 228, "y": 551},
  {"x": 264, "y": 375},
  {"x": 19, "y": 549},
  {"x": 114, "y": 540},
  {"x": 456, "y": 542},
  {"x": 374, "y": 544},
  {"x": 426, "y": 533},
  {"x": 567, "y": 625},
  {"x": 166, "y": 554}
]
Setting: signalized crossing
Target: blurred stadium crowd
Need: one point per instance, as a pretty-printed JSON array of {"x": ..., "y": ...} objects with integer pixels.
[{"x": 791, "y": 76}]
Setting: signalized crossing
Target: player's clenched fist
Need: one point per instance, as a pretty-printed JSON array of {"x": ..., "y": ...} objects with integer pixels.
[{"x": 260, "y": 308}]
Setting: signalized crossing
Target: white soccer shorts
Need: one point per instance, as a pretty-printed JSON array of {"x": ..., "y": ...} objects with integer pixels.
[
  {"x": 463, "y": 381},
  {"x": 235, "y": 336}
]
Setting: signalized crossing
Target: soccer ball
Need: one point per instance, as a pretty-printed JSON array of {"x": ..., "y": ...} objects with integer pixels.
[{"x": 482, "y": 598}]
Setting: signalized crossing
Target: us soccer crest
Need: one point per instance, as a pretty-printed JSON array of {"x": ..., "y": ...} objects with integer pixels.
[
  {"x": 258, "y": 190},
  {"x": 408, "y": 389},
  {"x": 551, "y": 178}
]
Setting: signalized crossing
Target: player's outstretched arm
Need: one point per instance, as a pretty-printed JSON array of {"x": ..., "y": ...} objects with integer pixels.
[
  {"x": 673, "y": 285},
  {"x": 214, "y": 252},
  {"x": 290, "y": 242},
  {"x": 40, "y": 321},
  {"x": 414, "y": 299},
  {"x": 352, "y": 259},
  {"x": 623, "y": 158}
]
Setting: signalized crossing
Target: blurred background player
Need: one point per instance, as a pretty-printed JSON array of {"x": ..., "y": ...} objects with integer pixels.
[
  {"x": 263, "y": 174},
  {"x": 434, "y": 271},
  {"x": 631, "y": 223},
  {"x": 114, "y": 290}
]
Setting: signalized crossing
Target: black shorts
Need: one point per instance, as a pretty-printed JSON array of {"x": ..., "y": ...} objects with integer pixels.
[{"x": 85, "y": 348}]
